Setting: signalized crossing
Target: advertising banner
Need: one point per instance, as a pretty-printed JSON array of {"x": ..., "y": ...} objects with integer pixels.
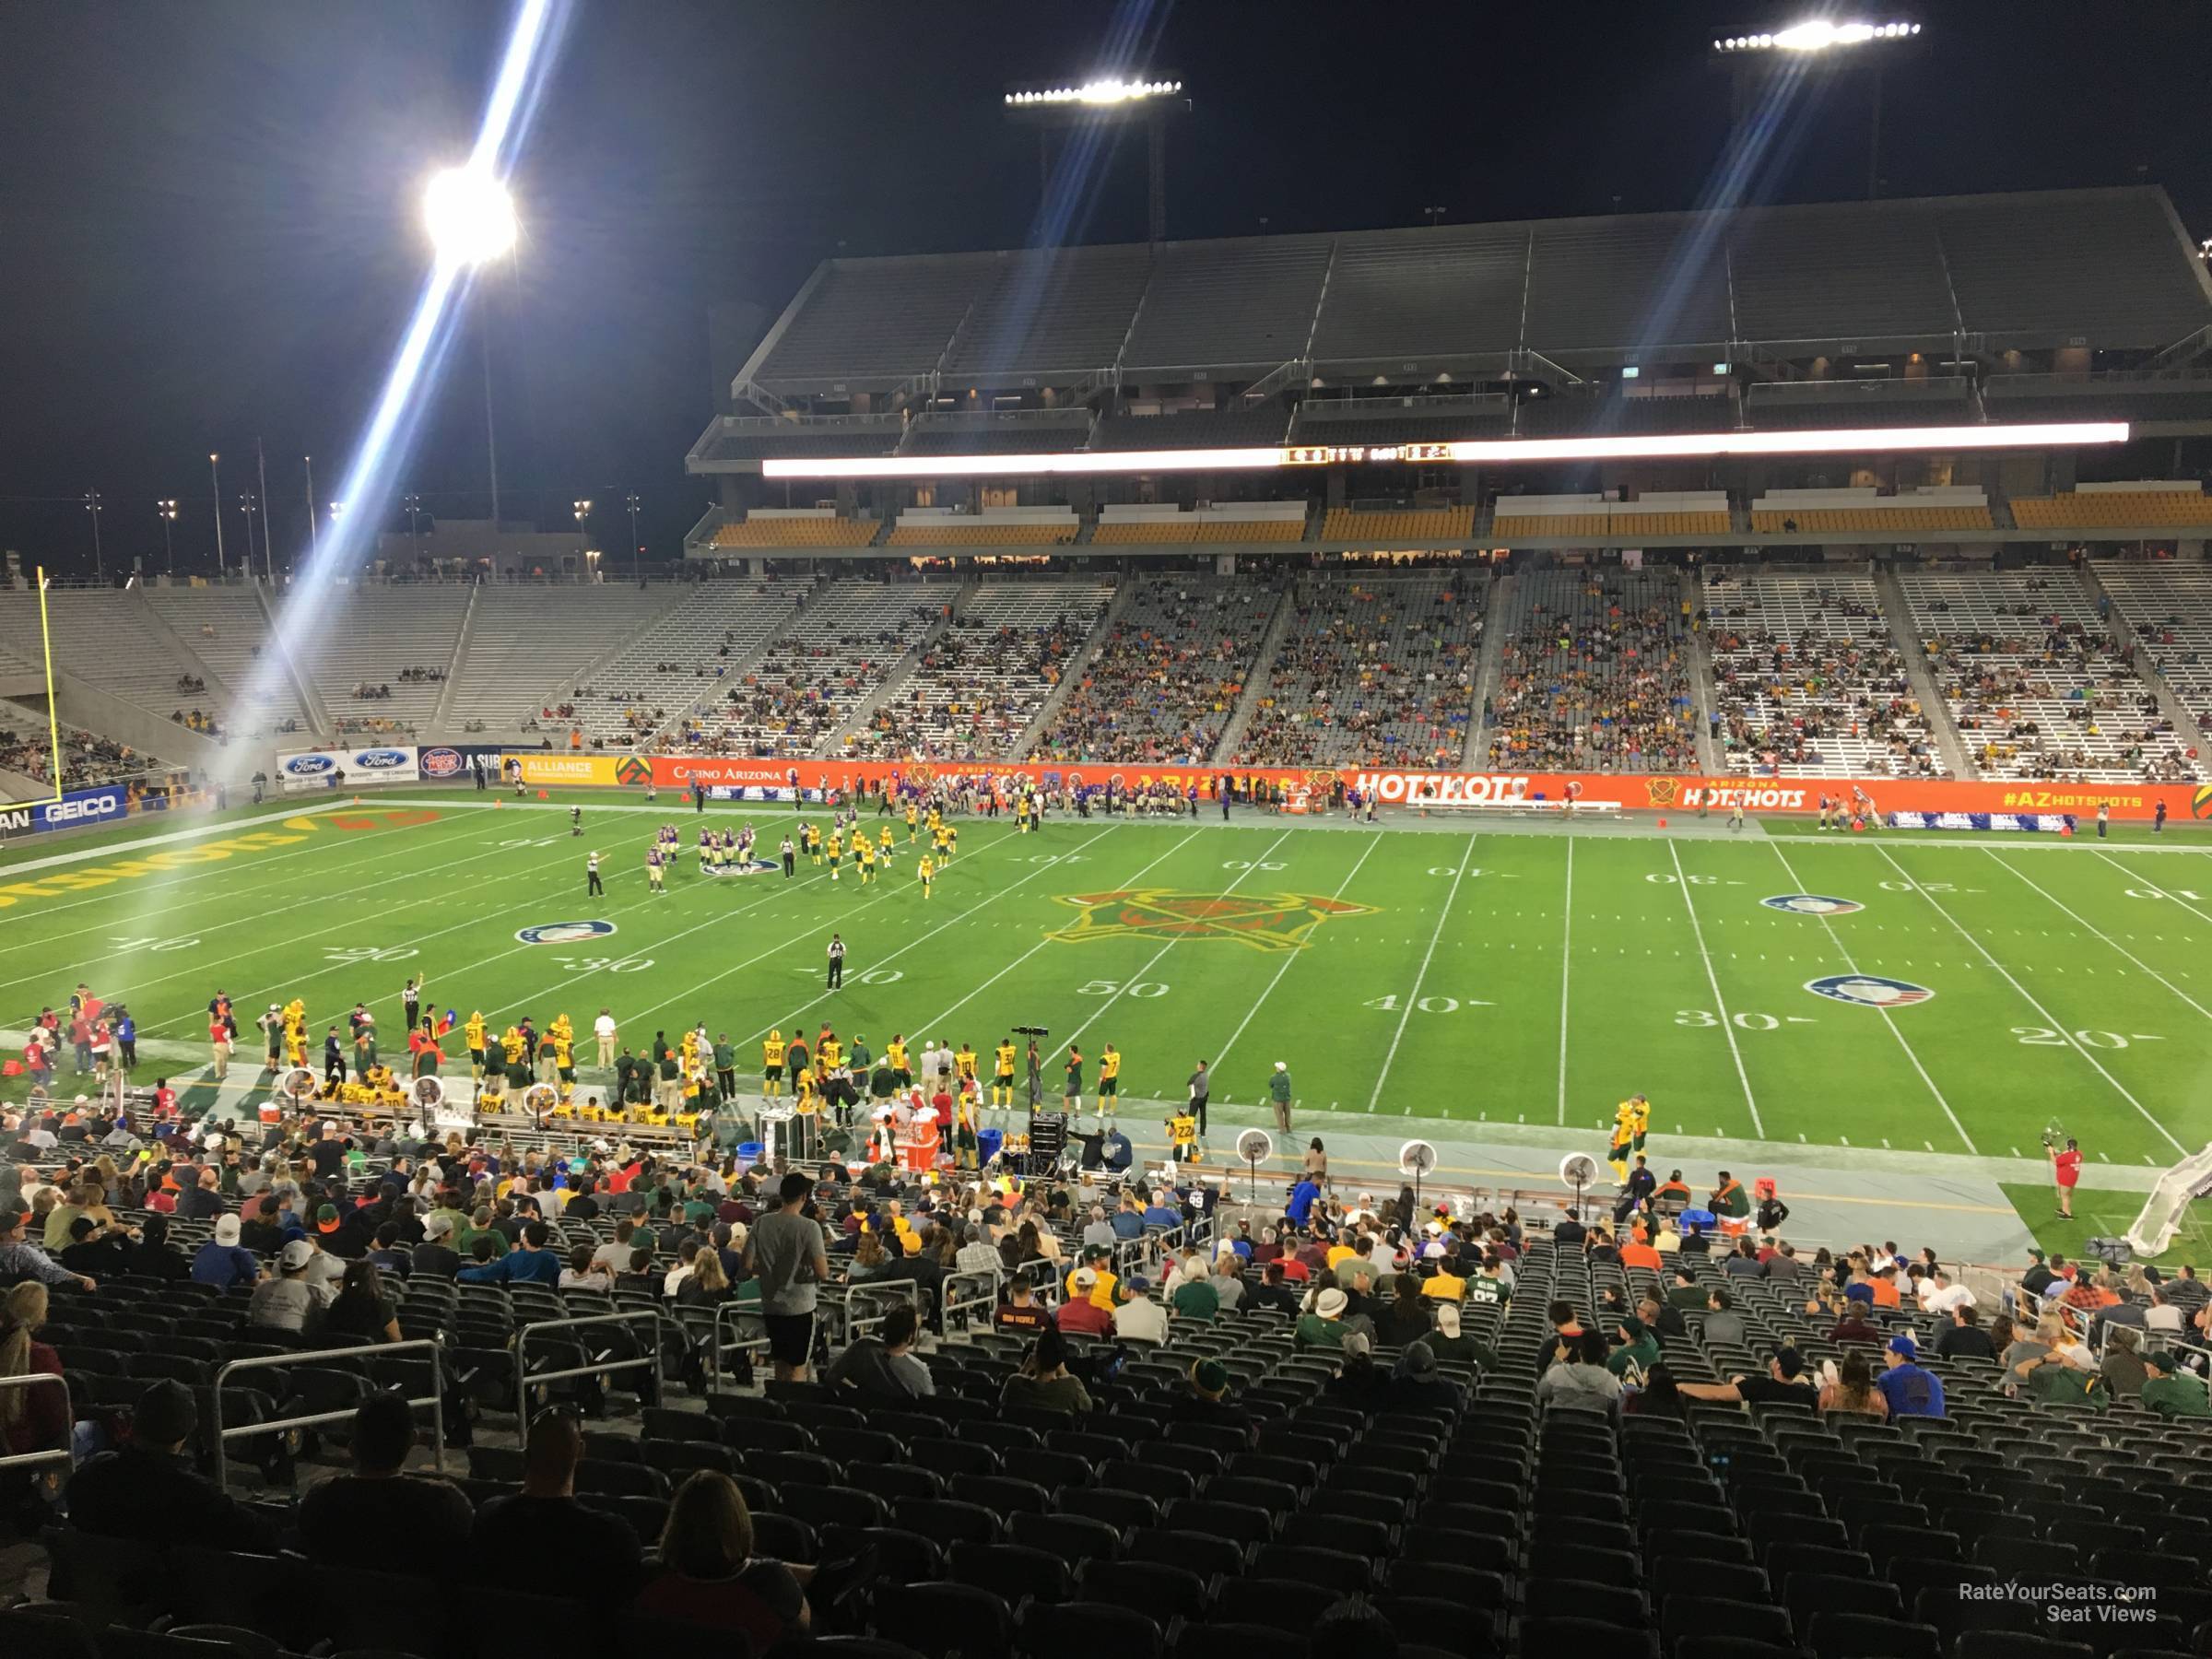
[
  {"x": 300, "y": 771},
  {"x": 107, "y": 803},
  {"x": 545, "y": 770},
  {"x": 445, "y": 763}
]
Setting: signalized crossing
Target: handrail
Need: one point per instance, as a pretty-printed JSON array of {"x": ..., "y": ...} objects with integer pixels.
[
  {"x": 525, "y": 1377},
  {"x": 851, "y": 1325},
  {"x": 61, "y": 1453},
  {"x": 730, "y": 1313},
  {"x": 436, "y": 1402},
  {"x": 988, "y": 1279}
]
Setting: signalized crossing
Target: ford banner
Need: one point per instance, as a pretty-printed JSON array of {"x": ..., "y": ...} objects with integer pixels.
[
  {"x": 382, "y": 763},
  {"x": 103, "y": 806}
]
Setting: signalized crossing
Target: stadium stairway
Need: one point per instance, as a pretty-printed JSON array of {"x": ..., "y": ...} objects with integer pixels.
[
  {"x": 303, "y": 685},
  {"x": 901, "y": 671},
  {"x": 1700, "y": 674},
  {"x": 1049, "y": 709},
  {"x": 443, "y": 712},
  {"x": 2184, "y": 722},
  {"x": 1256, "y": 686},
  {"x": 1899, "y": 613},
  {"x": 1486, "y": 673},
  {"x": 218, "y": 687}
]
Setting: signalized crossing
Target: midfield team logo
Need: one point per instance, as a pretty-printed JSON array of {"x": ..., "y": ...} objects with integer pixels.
[{"x": 1271, "y": 922}]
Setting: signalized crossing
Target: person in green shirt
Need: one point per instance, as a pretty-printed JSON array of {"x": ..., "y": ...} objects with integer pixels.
[
  {"x": 1196, "y": 1298},
  {"x": 725, "y": 1067},
  {"x": 1453, "y": 1346},
  {"x": 479, "y": 1227},
  {"x": 1322, "y": 1325},
  {"x": 1638, "y": 1349},
  {"x": 2170, "y": 1391}
]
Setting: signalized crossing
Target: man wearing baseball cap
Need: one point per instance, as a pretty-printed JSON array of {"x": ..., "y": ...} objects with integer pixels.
[
  {"x": 1911, "y": 1389},
  {"x": 148, "y": 1489},
  {"x": 1080, "y": 1314},
  {"x": 2170, "y": 1391}
]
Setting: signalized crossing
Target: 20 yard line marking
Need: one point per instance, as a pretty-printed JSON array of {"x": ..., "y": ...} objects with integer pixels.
[
  {"x": 2108, "y": 939},
  {"x": 1712, "y": 979},
  {"x": 1373, "y": 841},
  {"x": 1398, "y": 1035},
  {"x": 1887, "y": 1018},
  {"x": 2049, "y": 1019}
]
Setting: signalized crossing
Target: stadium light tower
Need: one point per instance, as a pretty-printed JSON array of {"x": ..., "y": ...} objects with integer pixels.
[
  {"x": 92, "y": 506},
  {"x": 166, "y": 510},
  {"x": 1818, "y": 44},
  {"x": 471, "y": 222},
  {"x": 215, "y": 472},
  {"x": 1102, "y": 99}
]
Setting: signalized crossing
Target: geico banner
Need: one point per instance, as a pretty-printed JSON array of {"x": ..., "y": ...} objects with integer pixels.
[
  {"x": 78, "y": 806},
  {"x": 547, "y": 769}
]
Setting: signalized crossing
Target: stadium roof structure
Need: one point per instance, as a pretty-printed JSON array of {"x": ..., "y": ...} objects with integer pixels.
[{"x": 1968, "y": 276}]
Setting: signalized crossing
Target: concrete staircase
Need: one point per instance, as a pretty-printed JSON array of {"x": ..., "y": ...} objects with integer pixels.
[
  {"x": 1049, "y": 709},
  {"x": 1255, "y": 684},
  {"x": 901, "y": 671},
  {"x": 1475, "y": 757},
  {"x": 2186, "y": 724},
  {"x": 1921, "y": 674},
  {"x": 303, "y": 685},
  {"x": 1704, "y": 701},
  {"x": 443, "y": 712},
  {"x": 218, "y": 688}
]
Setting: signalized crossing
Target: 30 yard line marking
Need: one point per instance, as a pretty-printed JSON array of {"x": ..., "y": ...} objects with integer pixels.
[
  {"x": 1887, "y": 1018},
  {"x": 1566, "y": 962},
  {"x": 1443, "y": 914},
  {"x": 1158, "y": 955},
  {"x": 1373, "y": 841},
  {"x": 2108, "y": 939},
  {"x": 2049, "y": 1020},
  {"x": 1713, "y": 980}
]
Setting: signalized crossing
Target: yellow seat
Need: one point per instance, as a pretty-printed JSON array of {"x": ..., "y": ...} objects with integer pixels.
[
  {"x": 798, "y": 533},
  {"x": 2145, "y": 509},
  {"x": 1399, "y": 526},
  {"x": 973, "y": 533}
]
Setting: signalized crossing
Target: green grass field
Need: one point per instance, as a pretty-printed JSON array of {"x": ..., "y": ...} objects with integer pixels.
[{"x": 1448, "y": 971}]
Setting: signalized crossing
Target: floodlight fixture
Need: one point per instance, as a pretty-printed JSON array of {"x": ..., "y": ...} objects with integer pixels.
[
  {"x": 1818, "y": 34},
  {"x": 470, "y": 216},
  {"x": 1102, "y": 91}
]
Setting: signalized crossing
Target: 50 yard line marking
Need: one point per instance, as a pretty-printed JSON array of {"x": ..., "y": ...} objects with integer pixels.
[
  {"x": 1887, "y": 1018},
  {"x": 1712, "y": 979},
  {"x": 2049, "y": 1020},
  {"x": 1398, "y": 1035},
  {"x": 1372, "y": 842}
]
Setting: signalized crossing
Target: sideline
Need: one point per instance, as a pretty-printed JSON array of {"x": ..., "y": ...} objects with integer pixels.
[{"x": 240, "y": 825}]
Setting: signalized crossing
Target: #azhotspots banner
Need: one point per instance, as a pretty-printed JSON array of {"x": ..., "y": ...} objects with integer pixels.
[{"x": 300, "y": 771}]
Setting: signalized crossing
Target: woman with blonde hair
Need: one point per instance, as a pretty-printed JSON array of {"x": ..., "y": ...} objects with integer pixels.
[
  {"x": 706, "y": 1285},
  {"x": 33, "y": 1417}
]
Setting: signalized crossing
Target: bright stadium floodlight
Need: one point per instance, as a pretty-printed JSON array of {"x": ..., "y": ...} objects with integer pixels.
[
  {"x": 1817, "y": 35},
  {"x": 1106, "y": 91},
  {"x": 470, "y": 216}
]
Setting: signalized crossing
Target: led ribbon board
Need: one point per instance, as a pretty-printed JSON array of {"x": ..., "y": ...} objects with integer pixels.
[{"x": 1466, "y": 453}]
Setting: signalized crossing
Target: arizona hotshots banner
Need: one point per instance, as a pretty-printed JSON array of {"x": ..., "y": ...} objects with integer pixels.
[{"x": 1931, "y": 803}]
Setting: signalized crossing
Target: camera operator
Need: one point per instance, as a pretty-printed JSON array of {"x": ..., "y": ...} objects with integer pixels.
[{"x": 2065, "y": 1172}]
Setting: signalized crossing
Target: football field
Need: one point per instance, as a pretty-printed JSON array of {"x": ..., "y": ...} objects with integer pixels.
[{"x": 1877, "y": 991}]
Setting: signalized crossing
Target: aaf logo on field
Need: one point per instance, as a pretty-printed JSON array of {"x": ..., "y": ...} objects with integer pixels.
[
  {"x": 1869, "y": 991},
  {"x": 563, "y": 933},
  {"x": 1812, "y": 904},
  {"x": 1270, "y": 921},
  {"x": 743, "y": 867}
]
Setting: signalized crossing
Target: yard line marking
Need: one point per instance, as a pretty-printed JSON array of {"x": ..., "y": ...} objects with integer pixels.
[
  {"x": 2132, "y": 876},
  {"x": 826, "y": 994},
  {"x": 1158, "y": 955},
  {"x": 1889, "y": 1018},
  {"x": 1566, "y": 963},
  {"x": 1291, "y": 957},
  {"x": 2109, "y": 940},
  {"x": 1713, "y": 980},
  {"x": 1397, "y": 1037},
  {"x": 2049, "y": 1019},
  {"x": 1048, "y": 939}
]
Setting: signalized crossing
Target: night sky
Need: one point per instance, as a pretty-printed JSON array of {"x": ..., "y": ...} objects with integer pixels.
[{"x": 209, "y": 229}]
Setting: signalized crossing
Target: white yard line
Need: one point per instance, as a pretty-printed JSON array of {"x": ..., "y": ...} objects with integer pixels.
[
  {"x": 1373, "y": 841},
  {"x": 1040, "y": 944},
  {"x": 1887, "y": 1018},
  {"x": 1158, "y": 956},
  {"x": 826, "y": 995},
  {"x": 1566, "y": 962},
  {"x": 2098, "y": 932},
  {"x": 2049, "y": 1019},
  {"x": 1719, "y": 1003},
  {"x": 1443, "y": 915},
  {"x": 238, "y": 826},
  {"x": 2124, "y": 870}
]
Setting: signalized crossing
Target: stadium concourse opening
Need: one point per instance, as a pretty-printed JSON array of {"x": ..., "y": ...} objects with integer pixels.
[{"x": 1475, "y": 938}]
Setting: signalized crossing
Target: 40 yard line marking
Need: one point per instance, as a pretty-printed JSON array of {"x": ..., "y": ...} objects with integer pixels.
[
  {"x": 1887, "y": 1018},
  {"x": 1398, "y": 1035},
  {"x": 1712, "y": 979},
  {"x": 2107, "y": 938},
  {"x": 2049, "y": 1019},
  {"x": 1372, "y": 842}
]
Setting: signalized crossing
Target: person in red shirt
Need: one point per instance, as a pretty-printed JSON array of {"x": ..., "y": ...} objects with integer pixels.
[
  {"x": 1081, "y": 1316},
  {"x": 1637, "y": 1253},
  {"x": 2066, "y": 1171}
]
